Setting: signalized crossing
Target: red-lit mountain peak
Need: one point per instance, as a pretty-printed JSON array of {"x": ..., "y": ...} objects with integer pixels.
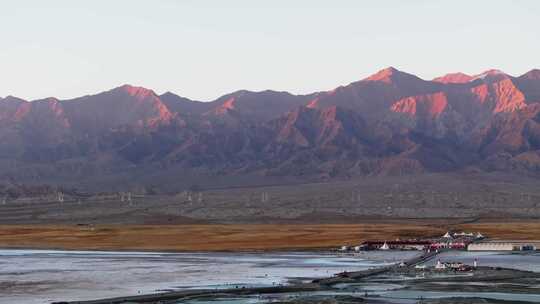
[
  {"x": 135, "y": 91},
  {"x": 454, "y": 78},
  {"x": 395, "y": 77},
  {"x": 492, "y": 75},
  {"x": 385, "y": 75}
]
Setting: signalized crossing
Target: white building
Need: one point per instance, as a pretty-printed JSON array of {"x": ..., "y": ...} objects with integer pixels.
[
  {"x": 501, "y": 246},
  {"x": 440, "y": 266},
  {"x": 463, "y": 234}
]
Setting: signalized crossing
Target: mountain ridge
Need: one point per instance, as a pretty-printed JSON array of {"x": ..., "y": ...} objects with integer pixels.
[{"x": 389, "y": 122}]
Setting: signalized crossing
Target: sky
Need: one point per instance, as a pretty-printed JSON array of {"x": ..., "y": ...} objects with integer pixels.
[{"x": 202, "y": 49}]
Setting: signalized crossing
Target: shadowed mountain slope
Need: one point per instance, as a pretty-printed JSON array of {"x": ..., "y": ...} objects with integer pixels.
[{"x": 389, "y": 123}]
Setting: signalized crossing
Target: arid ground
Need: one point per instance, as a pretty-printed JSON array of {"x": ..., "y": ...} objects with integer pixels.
[
  {"x": 429, "y": 196},
  {"x": 277, "y": 217},
  {"x": 239, "y": 237}
]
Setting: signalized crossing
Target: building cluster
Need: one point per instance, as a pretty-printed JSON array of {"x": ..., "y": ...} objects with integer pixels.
[
  {"x": 454, "y": 266},
  {"x": 455, "y": 240},
  {"x": 450, "y": 240},
  {"x": 502, "y": 246},
  {"x": 394, "y": 245}
]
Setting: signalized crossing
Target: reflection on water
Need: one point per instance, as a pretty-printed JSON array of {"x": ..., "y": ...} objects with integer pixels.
[
  {"x": 245, "y": 300},
  {"x": 39, "y": 276},
  {"x": 414, "y": 294},
  {"x": 392, "y": 296},
  {"x": 399, "y": 294},
  {"x": 387, "y": 296}
]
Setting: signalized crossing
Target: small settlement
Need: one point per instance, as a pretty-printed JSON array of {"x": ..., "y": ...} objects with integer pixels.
[
  {"x": 454, "y": 266},
  {"x": 451, "y": 240}
]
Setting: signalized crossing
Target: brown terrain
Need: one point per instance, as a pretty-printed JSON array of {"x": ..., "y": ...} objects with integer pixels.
[
  {"x": 241, "y": 237},
  {"x": 195, "y": 237},
  {"x": 275, "y": 217}
]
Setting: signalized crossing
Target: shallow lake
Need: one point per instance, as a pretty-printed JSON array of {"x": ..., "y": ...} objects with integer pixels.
[{"x": 43, "y": 276}]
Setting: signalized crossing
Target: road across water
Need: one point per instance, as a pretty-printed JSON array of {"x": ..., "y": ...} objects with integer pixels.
[{"x": 315, "y": 285}]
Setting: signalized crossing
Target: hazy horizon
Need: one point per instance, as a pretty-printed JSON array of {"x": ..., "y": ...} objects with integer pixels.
[{"x": 203, "y": 49}]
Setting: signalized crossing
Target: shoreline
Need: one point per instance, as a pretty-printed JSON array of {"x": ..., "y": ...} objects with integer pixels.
[
  {"x": 329, "y": 284},
  {"x": 377, "y": 275},
  {"x": 151, "y": 251}
]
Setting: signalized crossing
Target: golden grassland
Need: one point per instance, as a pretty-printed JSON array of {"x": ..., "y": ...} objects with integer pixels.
[{"x": 237, "y": 237}]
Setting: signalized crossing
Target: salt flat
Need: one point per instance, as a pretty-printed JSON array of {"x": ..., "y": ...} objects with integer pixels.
[{"x": 43, "y": 276}]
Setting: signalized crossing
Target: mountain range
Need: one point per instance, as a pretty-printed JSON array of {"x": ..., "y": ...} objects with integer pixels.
[{"x": 387, "y": 124}]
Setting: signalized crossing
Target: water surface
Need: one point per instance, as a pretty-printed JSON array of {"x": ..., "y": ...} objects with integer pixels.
[{"x": 42, "y": 276}]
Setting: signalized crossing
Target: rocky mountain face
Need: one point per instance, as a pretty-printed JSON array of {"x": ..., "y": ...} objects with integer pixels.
[{"x": 389, "y": 123}]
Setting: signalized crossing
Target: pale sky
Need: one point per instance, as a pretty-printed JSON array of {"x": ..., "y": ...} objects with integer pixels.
[{"x": 202, "y": 49}]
